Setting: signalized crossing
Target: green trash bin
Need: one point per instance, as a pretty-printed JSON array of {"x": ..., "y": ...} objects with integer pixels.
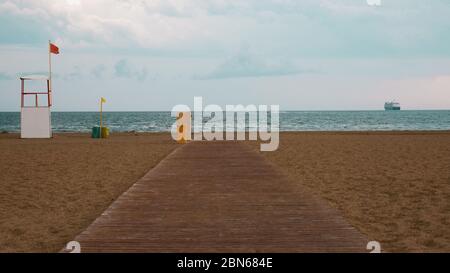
[{"x": 96, "y": 132}]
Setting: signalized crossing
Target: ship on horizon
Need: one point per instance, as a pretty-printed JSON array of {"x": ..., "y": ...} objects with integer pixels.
[{"x": 391, "y": 105}]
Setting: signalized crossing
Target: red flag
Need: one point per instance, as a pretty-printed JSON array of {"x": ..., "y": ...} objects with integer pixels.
[{"x": 54, "y": 49}]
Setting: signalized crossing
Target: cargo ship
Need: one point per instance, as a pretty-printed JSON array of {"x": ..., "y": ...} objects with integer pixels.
[{"x": 388, "y": 106}]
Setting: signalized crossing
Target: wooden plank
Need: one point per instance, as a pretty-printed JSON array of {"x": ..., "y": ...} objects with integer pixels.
[{"x": 219, "y": 197}]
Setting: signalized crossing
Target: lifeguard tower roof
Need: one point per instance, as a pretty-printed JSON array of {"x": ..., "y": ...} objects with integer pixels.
[{"x": 35, "y": 77}]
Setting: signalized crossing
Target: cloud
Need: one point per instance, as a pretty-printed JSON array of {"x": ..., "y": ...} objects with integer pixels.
[
  {"x": 98, "y": 71},
  {"x": 26, "y": 23},
  {"x": 122, "y": 69},
  {"x": 74, "y": 74},
  {"x": 279, "y": 29},
  {"x": 245, "y": 64},
  {"x": 4, "y": 76},
  {"x": 306, "y": 28}
]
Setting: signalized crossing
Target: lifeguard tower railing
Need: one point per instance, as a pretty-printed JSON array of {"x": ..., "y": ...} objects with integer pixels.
[{"x": 35, "y": 93}]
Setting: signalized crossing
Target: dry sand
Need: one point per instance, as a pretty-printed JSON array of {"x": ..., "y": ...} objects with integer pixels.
[
  {"x": 52, "y": 189},
  {"x": 393, "y": 187}
]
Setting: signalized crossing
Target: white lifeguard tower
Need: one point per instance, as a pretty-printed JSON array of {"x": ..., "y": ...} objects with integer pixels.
[{"x": 35, "y": 119}]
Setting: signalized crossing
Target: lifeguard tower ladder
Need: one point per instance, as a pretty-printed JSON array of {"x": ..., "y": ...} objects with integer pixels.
[{"x": 35, "y": 120}]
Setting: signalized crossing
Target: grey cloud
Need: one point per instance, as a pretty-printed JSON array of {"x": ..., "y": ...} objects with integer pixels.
[
  {"x": 17, "y": 27},
  {"x": 4, "y": 76},
  {"x": 142, "y": 75},
  {"x": 245, "y": 64},
  {"x": 75, "y": 74},
  {"x": 99, "y": 71},
  {"x": 123, "y": 69}
]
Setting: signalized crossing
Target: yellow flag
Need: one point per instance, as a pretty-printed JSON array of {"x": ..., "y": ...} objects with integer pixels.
[{"x": 103, "y": 100}]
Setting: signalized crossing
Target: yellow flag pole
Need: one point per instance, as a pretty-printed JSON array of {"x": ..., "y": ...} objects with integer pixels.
[{"x": 101, "y": 111}]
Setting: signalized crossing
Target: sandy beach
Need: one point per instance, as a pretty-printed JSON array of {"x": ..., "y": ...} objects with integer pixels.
[
  {"x": 51, "y": 189},
  {"x": 393, "y": 187}
]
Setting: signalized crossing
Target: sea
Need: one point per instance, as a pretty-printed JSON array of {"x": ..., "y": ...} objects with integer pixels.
[{"x": 403, "y": 120}]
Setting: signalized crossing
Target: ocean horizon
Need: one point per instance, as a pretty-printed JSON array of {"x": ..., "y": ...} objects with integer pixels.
[{"x": 161, "y": 121}]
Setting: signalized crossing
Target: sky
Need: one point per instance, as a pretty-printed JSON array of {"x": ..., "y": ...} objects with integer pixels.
[{"x": 149, "y": 55}]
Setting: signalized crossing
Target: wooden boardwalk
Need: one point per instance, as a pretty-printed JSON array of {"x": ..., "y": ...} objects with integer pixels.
[{"x": 219, "y": 197}]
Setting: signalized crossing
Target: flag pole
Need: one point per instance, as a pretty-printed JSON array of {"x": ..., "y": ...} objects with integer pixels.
[
  {"x": 50, "y": 64},
  {"x": 101, "y": 111}
]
